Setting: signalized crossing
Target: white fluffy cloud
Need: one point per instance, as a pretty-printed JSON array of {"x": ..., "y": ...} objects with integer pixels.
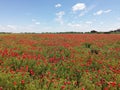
[
  {"x": 8, "y": 28},
  {"x": 11, "y": 27},
  {"x": 19, "y": 28},
  {"x": 58, "y": 5},
  {"x": 107, "y": 11},
  {"x": 89, "y": 22},
  {"x": 37, "y": 23},
  {"x": 59, "y": 17},
  {"x": 100, "y": 12},
  {"x": 60, "y": 14},
  {"x": 87, "y": 10},
  {"x": 78, "y": 6}
]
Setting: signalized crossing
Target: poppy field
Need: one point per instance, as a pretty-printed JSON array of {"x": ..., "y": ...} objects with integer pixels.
[{"x": 59, "y": 62}]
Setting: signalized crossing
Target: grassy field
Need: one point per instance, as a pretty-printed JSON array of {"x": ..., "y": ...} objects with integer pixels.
[{"x": 60, "y": 62}]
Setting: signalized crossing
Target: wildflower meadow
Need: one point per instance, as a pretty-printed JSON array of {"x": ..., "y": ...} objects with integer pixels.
[{"x": 59, "y": 62}]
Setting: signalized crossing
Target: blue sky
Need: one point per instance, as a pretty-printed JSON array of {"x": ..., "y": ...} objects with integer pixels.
[{"x": 59, "y": 15}]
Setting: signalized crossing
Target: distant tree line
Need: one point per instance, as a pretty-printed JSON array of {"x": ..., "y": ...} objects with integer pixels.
[
  {"x": 5, "y": 32},
  {"x": 71, "y": 32},
  {"x": 109, "y": 32}
]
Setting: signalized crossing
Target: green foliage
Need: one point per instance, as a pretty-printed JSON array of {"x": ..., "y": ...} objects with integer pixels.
[{"x": 87, "y": 45}]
